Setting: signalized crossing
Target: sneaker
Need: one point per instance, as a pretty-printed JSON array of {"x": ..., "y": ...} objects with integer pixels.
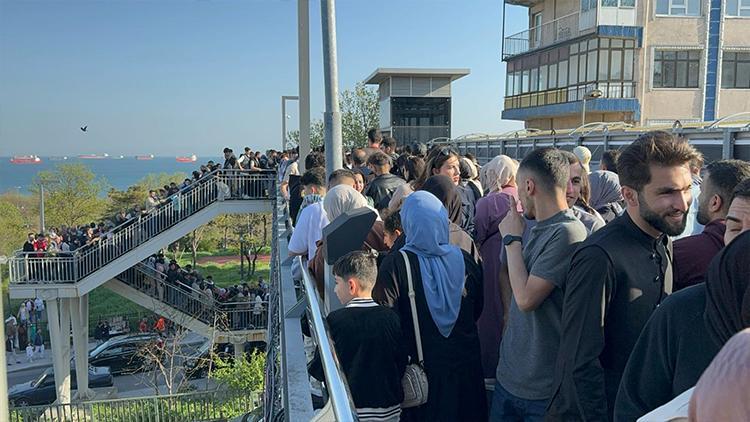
[{"x": 245, "y": 196}]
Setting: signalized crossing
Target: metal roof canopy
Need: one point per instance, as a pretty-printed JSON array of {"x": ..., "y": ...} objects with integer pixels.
[{"x": 382, "y": 73}]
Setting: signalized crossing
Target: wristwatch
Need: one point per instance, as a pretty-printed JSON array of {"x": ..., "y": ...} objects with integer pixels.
[{"x": 509, "y": 238}]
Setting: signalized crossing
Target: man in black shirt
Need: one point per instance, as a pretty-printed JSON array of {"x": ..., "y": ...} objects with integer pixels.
[
  {"x": 381, "y": 188},
  {"x": 619, "y": 275},
  {"x": 28, "y": 246},
  {"x": 230, "y": 161}
]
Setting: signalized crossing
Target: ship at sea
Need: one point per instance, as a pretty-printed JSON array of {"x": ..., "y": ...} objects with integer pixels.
[
  {"x": 57, "y": 158},
  {"x": 187, "y": 159},
  {"x": 93, "y": 156},
  {"x": 144, "y": 157},
  {"x": 26, "y": 159}
]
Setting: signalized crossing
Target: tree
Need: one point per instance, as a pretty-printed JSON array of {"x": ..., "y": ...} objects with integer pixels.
[
  {"x": 158, "y": 181},
  {"x": 124, "y": 200},
  {"x": 359, "y": 113},
  {"x": 71, "y": 194},
  {"x": 12, "y": 228},
  {"x": 244, "y": 374}
]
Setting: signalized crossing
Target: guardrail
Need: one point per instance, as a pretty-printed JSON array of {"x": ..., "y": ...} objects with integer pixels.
[
  {"x": 200, "y": 406},
  {"x": 561, "y": 29},
  {"x": 227, "y": 316},
  {"x": 36, "y": 267}
]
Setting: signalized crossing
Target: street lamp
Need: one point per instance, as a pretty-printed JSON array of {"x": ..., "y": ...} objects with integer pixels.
[
  {"x": 284, "y": 116},
  {"x": 591, "y": 95}
]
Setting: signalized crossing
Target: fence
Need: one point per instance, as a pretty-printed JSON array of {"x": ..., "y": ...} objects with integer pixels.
[
  {"x": 189, "y": 407},
  {"x": 70, "y": 267},
  {"x": 561, "y": 29}
]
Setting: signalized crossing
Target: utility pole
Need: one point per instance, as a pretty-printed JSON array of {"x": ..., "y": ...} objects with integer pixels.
[
  {"x": 332, "y": 115},
  {"x": 303, "y": 46},
  {"x": 41, "y": 208}
]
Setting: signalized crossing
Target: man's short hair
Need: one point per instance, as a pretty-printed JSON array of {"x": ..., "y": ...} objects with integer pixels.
[
  {"x": 392, "y": 221},
  {"x": 549, "y": 166},
  {"x": 388, "y": 142},
  {"x": 359, "y": 157},
  {"x": 609, "y": 159},
  {"x": 379, "y": 159},
  {"x": 336, "y": 177},
  {"x": 742, "y": 190},
  {"x": 247, "y": 149},
  {"x": 653, "y": 148},
  {"x": 374, "y": 136},
  {"x": 358, "y": 264},
  {"x": 315, "y": 176},
  {"x": 724, "y": 176},
  {"x": 315, "y": 159},
  {"x": 227, "y": 149}
]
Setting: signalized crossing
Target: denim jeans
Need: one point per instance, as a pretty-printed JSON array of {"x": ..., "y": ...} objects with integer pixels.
[{"x": 507, "y": 407}]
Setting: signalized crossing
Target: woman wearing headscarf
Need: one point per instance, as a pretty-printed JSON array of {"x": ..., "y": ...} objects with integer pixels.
[
  {"x": 448, "y": 193},
  {"x": 605, "y": 196},
  {"x": 338, "y": 200},
  {"x": 685, "y": 333},
  {"x": 499, "y": 179},
  {"x": 448, "y": 295}
]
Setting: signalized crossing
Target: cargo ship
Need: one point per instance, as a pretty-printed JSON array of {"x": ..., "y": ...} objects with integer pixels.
[
  {"x": 144, "y": 157},
  {"x": 25, "y": 159},
  {"x": 93, "y": 156},
  {"x": 187, "y": 159}
]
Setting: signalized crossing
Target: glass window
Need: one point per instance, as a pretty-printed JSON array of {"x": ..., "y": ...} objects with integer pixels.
[
  {"x": 604, "y": 42},
  {"x": 581, "y": 68},
  {"x": 603, "y": 65},
  {"x": 738, "y": 8},
  {"x": 676, "y": 69},
  {"x": 591, "y": 66},
  {"x": 573, "y": 48},
  {"x": 609, "y": 3},
  {"x": 627, "y": 3},
  {"x": 615, "y": 69},
  {"x": 534, "y": 80},
  {"x": 552, "y": 76},
  {"x": 562, "y": 77},
  {"x": 629, "y": 43},
  {"x": 616, "y": 43},
  {"x": 508, "y": 84},
  {"x": 542, "y": 78},
  {"x": 525, "y": 81},
  {"x": 517, "y": 83},
  {"x": 627, "y": 65},
  {"x": 678, "y": 7},
  {"x": 735, "y": 70},
  {"x": 573, "y": 73},
  {"x": 418, "y": 111}
]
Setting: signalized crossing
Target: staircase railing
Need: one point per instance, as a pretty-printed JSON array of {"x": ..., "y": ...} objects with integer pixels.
[
  {"x": 228, "y": 316},
  {"x": 69, "y": 267}
]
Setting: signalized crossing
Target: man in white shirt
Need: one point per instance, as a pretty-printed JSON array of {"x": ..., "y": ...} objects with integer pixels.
[{"x": 312, "y": 218}]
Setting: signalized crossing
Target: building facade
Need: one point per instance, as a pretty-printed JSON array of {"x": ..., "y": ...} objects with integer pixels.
[
  {"x": 643, "y": 62},
  {"x": 415, "y": 104}
]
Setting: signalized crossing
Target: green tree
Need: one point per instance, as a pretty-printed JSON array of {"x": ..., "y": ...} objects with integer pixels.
[
  {"x": 157, "y": 181},
  {"x": 71, "y": 194},
  {"x": 242, "y": 375},
  {"x": 120, "y": 200},
  {"x": 316, "y": 135},
  {"x": 12, "y": 228}
]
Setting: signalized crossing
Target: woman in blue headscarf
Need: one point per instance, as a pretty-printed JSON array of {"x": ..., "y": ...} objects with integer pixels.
[{"x": 448, "y": 292}]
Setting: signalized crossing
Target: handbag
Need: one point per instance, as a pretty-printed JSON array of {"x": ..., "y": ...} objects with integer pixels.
[{"x": 414, "y": 381}]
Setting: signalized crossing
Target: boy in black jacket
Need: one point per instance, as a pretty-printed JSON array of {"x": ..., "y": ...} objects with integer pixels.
[{"x": 368, "y": 341}]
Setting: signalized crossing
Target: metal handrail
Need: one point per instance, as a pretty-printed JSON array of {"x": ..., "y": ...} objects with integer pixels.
[
  {"x": 224, "y": 185},
  {"x": 338, "y": 388}
]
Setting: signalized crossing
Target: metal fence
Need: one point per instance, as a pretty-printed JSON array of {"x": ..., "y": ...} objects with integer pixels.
[
  {"x": 219, "y": 405},
  {"x": 228, "y": 316},
  {"x": 561, "y": 29},
  {"x": 221, "y": 185}
]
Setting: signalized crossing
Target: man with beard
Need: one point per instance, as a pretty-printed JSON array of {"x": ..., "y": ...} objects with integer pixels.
[
  {"x": 692, "y": 254},
  {"x": 619, "y": 275}
]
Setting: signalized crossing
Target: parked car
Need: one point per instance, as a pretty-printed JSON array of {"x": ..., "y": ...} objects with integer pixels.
[
  {"x": 42, "y": 390},
  {"x": 201, "y": 362},
  {"x": 124, "y": 354}
]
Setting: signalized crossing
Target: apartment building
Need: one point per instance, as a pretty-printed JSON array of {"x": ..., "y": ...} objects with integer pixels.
[{"x": 642, "y": 62}]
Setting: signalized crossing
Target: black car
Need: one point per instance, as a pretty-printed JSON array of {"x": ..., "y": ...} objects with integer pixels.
[
  {"x": 42, "y": 390},
  {"x": 126, "y": 354}
]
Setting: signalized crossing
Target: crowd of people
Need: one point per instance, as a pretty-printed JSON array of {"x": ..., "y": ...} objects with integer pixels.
[
  {"x": 543, "y": 290},
  {"x": 23, "y": 331},
  {"x": 240, "y": 306},
  {"x": 64, "y": 240}
]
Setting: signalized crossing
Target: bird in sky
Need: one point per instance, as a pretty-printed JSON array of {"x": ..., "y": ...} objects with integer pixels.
[{"x": 84, "y": 128}]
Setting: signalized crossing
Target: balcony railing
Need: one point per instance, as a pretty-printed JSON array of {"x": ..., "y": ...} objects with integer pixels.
[
  {"x": 561, "y": 29},
  {"x": 624, "y": 89},
  {"x": 225, "y": 316},
  {"x": 69, "y": 267}
]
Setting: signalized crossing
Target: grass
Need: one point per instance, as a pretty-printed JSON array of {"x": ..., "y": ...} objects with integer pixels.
[{"x": 228, "y": 274}]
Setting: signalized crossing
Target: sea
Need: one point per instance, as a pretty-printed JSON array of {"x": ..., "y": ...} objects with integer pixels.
[{"x": 119, "y": 173}]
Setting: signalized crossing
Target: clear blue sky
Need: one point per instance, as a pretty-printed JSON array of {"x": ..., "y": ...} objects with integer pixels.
[{"x": 173, "y": 77}]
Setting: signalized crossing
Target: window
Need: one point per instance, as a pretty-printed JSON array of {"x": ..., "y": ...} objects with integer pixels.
[
  {"x": 543, "y": 78},
  {"x": 678, "y": 7},
  {"x": 616, "y": 3},
  {"x": 562, "y": 78},
  {"x": 735, "y": 70},
  {"x": 587, "y": 5},
  {"x": 553, "y": 76},
  {"x": 676, "y": 69},
  {"x": 738, "y": 8},
  {"x": 536, "y": 29}
]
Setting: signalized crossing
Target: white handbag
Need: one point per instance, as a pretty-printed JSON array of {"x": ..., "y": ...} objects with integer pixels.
[{"x": 414, "y": 382}]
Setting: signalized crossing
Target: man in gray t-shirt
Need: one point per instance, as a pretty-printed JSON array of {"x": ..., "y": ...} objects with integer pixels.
[{"x": 537, "y": 270}]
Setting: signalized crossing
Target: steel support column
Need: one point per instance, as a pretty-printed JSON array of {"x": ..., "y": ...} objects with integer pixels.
[
  {"x": 79, "y": 313},
  {"x": 332, "y": 115},
  {"x": 58, "y": 313}
]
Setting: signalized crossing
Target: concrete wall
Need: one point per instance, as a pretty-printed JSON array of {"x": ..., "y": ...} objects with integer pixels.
[
  {"x": 733, "y": 101},
  {"x": 553, "y": 9},
  {"x": 736, "y": 32},
  {"x": 573, "y": 121}
]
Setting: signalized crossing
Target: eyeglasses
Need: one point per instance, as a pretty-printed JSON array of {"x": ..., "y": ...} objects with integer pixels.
[{"x": 447, "y": 150}]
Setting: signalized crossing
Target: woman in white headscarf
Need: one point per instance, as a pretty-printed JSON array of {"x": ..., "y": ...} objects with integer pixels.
[
  {"x": 499, "y": 180},
  {"x": 339, "y": 200}
]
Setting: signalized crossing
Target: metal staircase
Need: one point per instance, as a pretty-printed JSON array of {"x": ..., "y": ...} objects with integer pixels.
[{"x": 77, "y": 273}]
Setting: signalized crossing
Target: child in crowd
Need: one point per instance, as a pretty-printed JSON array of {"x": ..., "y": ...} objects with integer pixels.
[
  {"x": 30, "y": 352},
  {"x": 368, "y": 341},
  {"x": 392, "y": 228}
]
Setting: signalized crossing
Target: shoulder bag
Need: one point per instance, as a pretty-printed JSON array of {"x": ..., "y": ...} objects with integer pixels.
[{"x": 414, "y": 382}]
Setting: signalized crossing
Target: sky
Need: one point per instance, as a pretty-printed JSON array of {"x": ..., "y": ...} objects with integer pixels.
[{"x": 177, "y": 77}]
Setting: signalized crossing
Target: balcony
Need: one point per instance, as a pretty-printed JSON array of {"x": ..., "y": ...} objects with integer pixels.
[{"x": 561, "y": 29}]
